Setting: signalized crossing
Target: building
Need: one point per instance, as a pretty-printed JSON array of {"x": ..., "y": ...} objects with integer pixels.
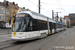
[
  {"x": 13, "y": 9},
  {"x": 72, "y": 19},
  {"x": 59, "y": 19},
  {"x": 4, "y": 14},
  {"x": 7, "y": 11},
  {"x": 67, "y": 21}
]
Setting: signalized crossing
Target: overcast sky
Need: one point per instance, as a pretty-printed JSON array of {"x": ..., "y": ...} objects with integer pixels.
[{"x": 64, "y": 6}]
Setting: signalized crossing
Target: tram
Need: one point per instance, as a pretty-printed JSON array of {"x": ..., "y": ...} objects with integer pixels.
[{"x": 31, "y": 25}]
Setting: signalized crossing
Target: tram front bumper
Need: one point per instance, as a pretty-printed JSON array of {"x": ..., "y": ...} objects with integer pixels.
[{"x": 24, "y": 39}]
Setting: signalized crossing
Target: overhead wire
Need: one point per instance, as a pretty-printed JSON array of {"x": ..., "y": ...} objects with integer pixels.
[
  {"x": 32, "y": 2},
  {"x": 62, "y": 6},
  {"x": 47, "y": 4},
  {"x": 55, "y": 4},
  {"x": 37, "y": 6}
]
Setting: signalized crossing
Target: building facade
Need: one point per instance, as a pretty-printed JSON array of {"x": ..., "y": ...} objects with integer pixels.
[
  {"x": 13, "y": 9},
  {"x": 72, "y": 19},
  {"x": 4, "y": 12},
  {"x": 67, "y": 21}
]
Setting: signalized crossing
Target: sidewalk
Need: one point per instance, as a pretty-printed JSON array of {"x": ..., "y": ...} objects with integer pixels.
[
  {"x": 5, "y": 37},
  {"x": 5, "y": 31}
]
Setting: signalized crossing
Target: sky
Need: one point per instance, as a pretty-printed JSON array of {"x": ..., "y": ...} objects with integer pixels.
[{"x": 63, "y": 6}]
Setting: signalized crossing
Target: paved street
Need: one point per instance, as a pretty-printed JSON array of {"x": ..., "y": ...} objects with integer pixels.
[
  {"x": 5, "y": 31},
  {"x": 5, "y": 37},
  {"x": 5, "y": 34},
  {"x": 64, "y": 40}
]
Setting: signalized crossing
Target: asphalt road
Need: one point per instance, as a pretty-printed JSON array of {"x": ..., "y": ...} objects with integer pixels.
[{"x": 64, "y": 40}]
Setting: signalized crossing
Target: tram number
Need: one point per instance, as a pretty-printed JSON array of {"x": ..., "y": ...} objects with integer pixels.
[{"x": 14, "y": 34}]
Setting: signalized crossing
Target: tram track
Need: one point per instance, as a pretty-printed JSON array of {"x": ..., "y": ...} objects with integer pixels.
[
  {"x": 38, "y": 41},
  {"x": 14, "y": 43},
  {"x": 6, "y": 44},
  {"x": 57, "y": 43},
  {"x": 48, "y": 41},
  {"x": 11, "y": 44}
]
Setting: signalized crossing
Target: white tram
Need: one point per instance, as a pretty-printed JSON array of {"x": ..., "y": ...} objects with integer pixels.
[{"x": 31, "y": 25}]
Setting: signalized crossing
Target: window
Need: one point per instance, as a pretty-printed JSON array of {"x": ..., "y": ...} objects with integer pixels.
[
  {"x": 29, "y": 28},
  {"x": 6, "y": 18},
  {"x": 1, "y": 11},
  {"x": 35, "y": 25},
  {"x": 8, "y": 13},
  {"x": 67, "y": 18},
  {"x": 1, "y": 17},
  {"x": 42, "y": 25}
]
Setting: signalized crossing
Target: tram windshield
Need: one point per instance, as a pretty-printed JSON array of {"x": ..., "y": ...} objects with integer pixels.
[{"x": 21, "y": 22}]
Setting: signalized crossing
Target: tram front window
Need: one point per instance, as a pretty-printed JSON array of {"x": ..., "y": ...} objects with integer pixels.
[{"x": 21, "y": 22}]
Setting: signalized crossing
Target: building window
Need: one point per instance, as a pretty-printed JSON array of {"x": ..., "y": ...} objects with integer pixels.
[
  {"x": 1, "y": 11},
  {"x": 8, "y": 13},
  {"x": 14, "y": 10},
  {"x": 1, "y": 17},
  {"x": 67, "y": 18},
  {"x": 6, "y": 18}
]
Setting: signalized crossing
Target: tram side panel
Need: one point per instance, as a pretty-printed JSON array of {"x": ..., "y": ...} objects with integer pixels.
[
  {"x": 57, "y": 27},
  {"x": 60, "y": 27}
]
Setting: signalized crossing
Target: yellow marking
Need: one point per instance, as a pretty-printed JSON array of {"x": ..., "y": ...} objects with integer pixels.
[
  {"x": 14, "y": 34},
  {"x": 52, "y": 30}
]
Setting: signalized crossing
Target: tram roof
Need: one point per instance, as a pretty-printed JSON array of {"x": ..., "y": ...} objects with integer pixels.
[{"x": 33, "y": 14}]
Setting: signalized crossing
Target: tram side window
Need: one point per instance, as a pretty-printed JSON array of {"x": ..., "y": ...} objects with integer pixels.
[
  {"x": 29, "y": 28},
  {"x": 41, "y": 25},
  {"x": 45, "y": 25},
  {"x": 35, "y": 25}
]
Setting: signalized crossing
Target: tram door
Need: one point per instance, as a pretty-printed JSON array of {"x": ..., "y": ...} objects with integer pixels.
[{"x": 50, "y": 24}]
